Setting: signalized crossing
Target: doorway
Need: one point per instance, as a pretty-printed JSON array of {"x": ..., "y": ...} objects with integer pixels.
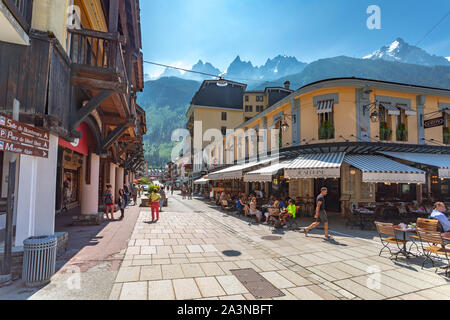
[{"x": 332, "y": 200}]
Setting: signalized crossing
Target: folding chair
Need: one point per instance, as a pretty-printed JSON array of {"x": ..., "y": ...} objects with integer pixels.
[
  {"x": 435, "y": 245},
  {"x": 425, "y": 224},
  {"x": 388, "y": 229}
]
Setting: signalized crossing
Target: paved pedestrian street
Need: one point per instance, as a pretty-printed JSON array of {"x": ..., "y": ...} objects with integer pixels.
[{"x": 191, "y": 251}]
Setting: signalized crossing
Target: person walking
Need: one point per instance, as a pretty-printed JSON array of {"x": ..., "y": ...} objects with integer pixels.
[
  {"x": 154, "y": 199},
  {"x": 122, "y": 203},
  {"x": 321, "y": 214},
  {"x": 109, "y": 202},
  {"x": 189, "y": 192},
  {"x": 162, "y": 193},
  {"x": 183, "y": 192},
  {"x": 134, "y": 193},
  {"x": 171, "y": 190}
]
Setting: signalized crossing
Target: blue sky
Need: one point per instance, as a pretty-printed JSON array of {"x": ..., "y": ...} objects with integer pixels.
[{"x": 180, "y": 32}]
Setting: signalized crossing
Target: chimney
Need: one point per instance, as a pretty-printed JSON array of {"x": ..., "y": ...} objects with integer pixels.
[{"x": 287, "y": 84}]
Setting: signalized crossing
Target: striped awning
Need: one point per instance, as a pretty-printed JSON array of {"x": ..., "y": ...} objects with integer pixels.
[
  {"x": 325, "y": 106},
  {"x": 381, "y": 169},
  {"x": 408, "y": 110},
  {"x": 203, "y": 180},
  {"x": 236, "y": 172},
  {"x": 265, "y": 174},
  {"x": 316, "y": 165},
  {"x": 390, "y": 108},
  {"x": 441, "y": 161}
]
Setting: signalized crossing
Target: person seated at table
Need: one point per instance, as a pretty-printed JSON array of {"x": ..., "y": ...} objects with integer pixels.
[
  {"x": 241, "y": 204},
  {"x": 254, "y": 211},
  {"x": 258, "y": 193},
  {"x": 438, "y": 213},
  {"x": 289, "y": 212},
  {"x": 281, "y": 204}
]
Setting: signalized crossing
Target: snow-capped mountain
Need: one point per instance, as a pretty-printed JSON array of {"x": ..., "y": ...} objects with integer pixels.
[
  {"x": 400, "y": 51},
  {"x": 275, "y": 68},
  {"x": 448, "y": 58}
]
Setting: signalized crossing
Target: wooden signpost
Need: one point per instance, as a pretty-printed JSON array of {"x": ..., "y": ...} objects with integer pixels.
[{"x": 23, "y": 139}]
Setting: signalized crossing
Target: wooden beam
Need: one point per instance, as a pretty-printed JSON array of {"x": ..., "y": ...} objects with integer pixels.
[
  {"x": 113, "y": 121},
  {"x": 115, "y": 134},
  {"x": 89, "y": 83},
  {"x": 113, "y": 22},
  {"x": 92, "y": 105}
]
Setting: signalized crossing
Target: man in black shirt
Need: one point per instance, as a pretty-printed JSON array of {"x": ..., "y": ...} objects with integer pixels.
[{"x": 321, "y": 214}]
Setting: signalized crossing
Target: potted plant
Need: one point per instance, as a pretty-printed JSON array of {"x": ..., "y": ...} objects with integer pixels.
[
  {"x": 446, "y": 135},
  {"x": 383, "y": 130},
  {"x": 322, "y": 130},
  {"x": 401, "y": 132}
]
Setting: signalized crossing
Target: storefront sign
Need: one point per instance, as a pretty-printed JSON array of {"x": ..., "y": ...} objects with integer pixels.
[
  {"x": 391, "y": 177},
  {"x": 436, "y": 122},
  {"x": 444, "y": 173},
  {"x": 79, "y": 145},
  {"x": 24, "y": 139},
  {"x": 313, "y": 173}
]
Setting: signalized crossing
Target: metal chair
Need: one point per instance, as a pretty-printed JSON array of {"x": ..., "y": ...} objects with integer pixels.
[
  {"x": 435, "y": 246},
  {"x": 388, "y": 229}
]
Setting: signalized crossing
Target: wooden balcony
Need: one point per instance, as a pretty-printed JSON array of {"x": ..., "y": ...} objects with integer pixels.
[
  {"x": 97, "y": 60},
  {"x": 22, "y": 10}
]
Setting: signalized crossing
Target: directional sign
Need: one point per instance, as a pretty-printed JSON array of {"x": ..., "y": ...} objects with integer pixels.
[
  {"x": 18, "y": 148},
  {"x": 21, "y": 138},
  {"x": 15, "y": 137},
  {"x": 23, "y": 128}
]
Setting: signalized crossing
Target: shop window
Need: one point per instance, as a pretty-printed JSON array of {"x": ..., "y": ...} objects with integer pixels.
[
  {"x": 402, "y": 126},
  {"x": 326, "y": 126},
  {"x": 224, "y": 116},
  {"x": 385, "y": 125}
]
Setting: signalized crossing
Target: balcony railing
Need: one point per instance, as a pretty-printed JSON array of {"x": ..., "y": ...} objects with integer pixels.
[
  {"x": 96, "y": 51},
  {"x": 22, "y": 10}
]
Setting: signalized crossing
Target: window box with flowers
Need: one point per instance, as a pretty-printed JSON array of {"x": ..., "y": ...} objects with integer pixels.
[
  {"x": 402, "y": 133},
  {"x": 326, "y": 130},
  {"x": 446, "y": 134},
  {"x": 385, "y": 131}
]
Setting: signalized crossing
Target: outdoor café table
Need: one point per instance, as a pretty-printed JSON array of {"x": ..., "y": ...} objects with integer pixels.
[
  {"x": 363, "y": 213},
  {"x": 404, "y": 230}
]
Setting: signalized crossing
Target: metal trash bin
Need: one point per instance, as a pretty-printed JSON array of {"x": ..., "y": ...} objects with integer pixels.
[{"x": 39, "y": 260}]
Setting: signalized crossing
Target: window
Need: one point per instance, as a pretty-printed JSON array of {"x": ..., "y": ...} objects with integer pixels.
[
  {"x": 385, "y": 124},
  {"x": 224, "y": 116},
  {"x": 326, "y": 126},
  {"x": 259, "y": 98},
  {"x": 402, "y": 126},
  {"x": 224, "y": 131},
  {"x": 246, "y": 98},
  {"x": 446, "y": 133},
  {"x": 248, "y": 108}
]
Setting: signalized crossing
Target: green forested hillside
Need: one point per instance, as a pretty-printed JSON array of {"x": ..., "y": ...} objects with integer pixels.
[{"x": 165, "y": 102}]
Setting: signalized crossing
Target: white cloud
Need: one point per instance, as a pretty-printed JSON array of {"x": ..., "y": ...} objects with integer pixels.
[{"x": 448, "y": 58}]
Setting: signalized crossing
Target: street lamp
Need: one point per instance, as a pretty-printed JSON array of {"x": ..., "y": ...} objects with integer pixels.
[{"x": 222, "y": 82}]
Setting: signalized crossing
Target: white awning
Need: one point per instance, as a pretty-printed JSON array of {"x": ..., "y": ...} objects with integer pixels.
[
  {"x": 201, "y": 181},
  {"x": 408, "y": 110},
  {"x": 317, "y": 165},
  {"x": 325, "y": 106},
  {"x": 381, "y": 169},
  {"x": 390, "y": 108},
  {"x": 441, "y": 161},
  {"x": 265, "y": 174},
  {"x": 236, "y": 172}
]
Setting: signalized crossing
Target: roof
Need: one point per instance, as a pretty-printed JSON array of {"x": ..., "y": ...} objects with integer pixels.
[
  {"x": 435, "y": 160},
  {"x": 210, "y": 94}
]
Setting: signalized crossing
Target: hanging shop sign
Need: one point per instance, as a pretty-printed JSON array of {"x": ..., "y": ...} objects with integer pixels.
[
  {"x": 436, "y": 122},
  {"x": 23, "y": 139}
]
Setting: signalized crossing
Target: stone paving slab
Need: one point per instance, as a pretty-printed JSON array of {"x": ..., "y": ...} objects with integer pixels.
[{"x": 182, "y": 257}]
